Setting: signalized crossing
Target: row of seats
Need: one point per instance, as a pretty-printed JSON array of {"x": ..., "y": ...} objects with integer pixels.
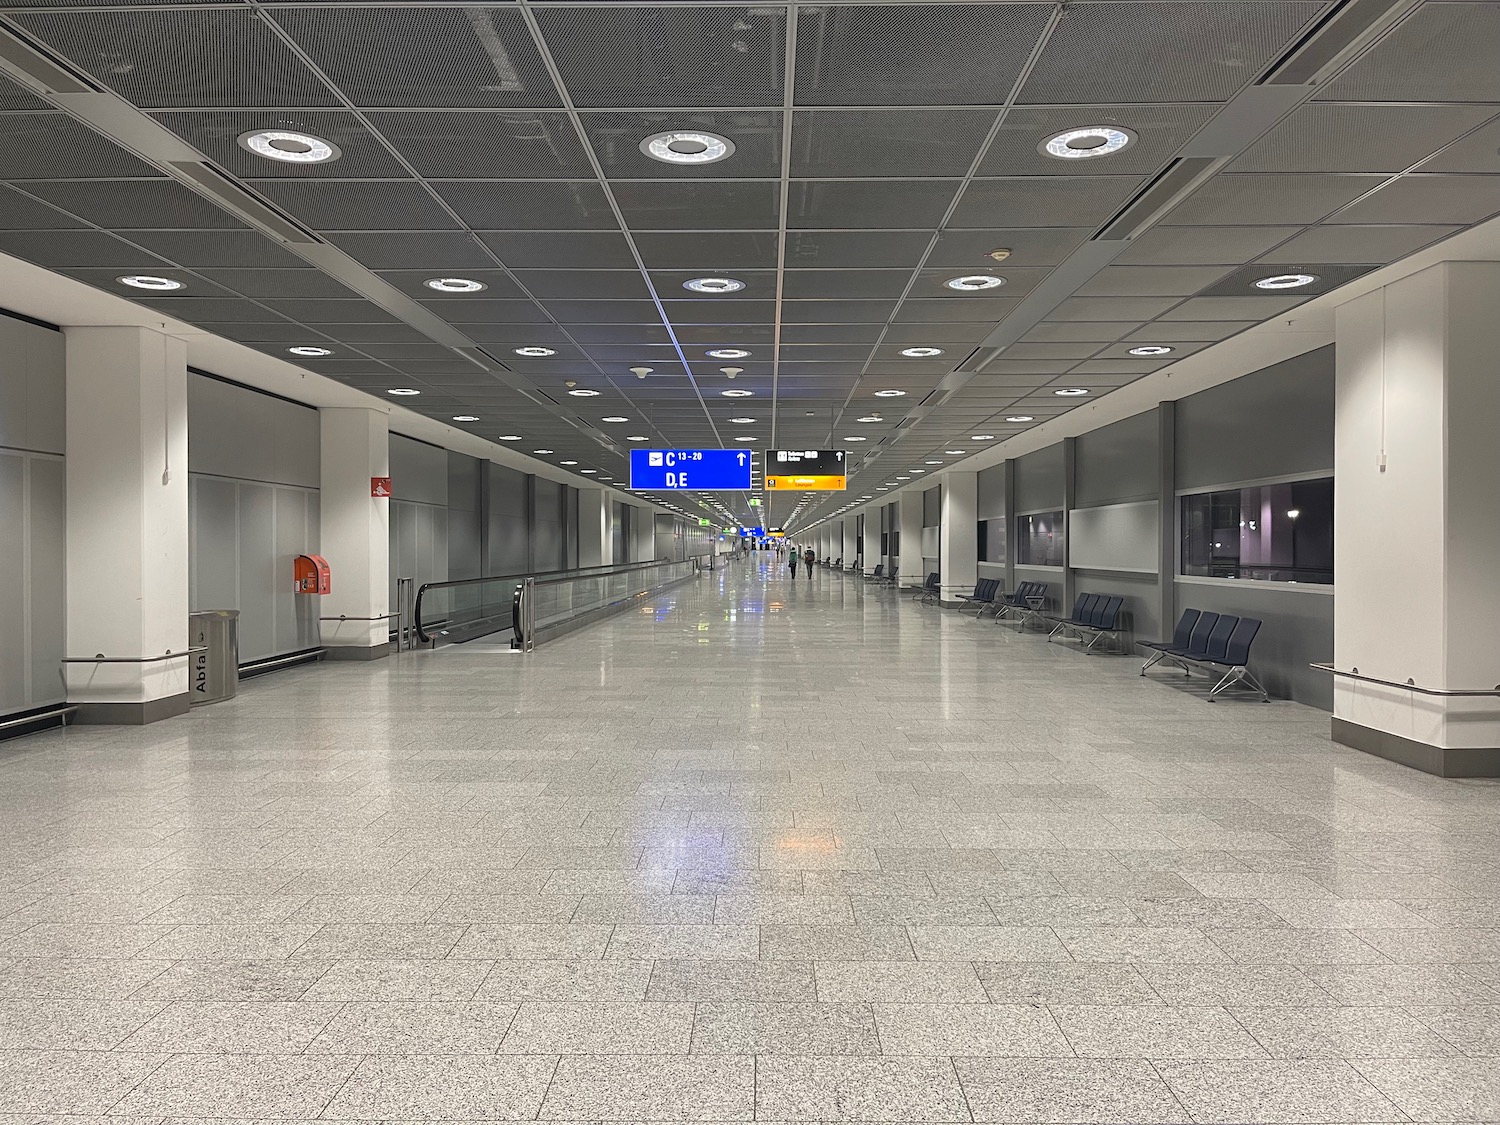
[
  {"x": 1217, "y": 642},
  {"x": 1094, "y": 617}
]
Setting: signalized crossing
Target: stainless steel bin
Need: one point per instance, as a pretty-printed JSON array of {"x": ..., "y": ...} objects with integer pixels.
[{"x": 216, "y": 669}]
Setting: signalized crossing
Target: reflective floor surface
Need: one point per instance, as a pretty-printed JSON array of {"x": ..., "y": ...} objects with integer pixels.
[{"x": 756, "y": 851}]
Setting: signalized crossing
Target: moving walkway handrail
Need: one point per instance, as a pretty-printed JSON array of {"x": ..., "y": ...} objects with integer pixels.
[
  {"x": 525, "y": 616},
  {"x": 540, "y": 577}
]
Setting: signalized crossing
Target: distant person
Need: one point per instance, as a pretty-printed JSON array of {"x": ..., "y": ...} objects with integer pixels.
[
  {"x": 809, "y": 558},
  {"x": 793, "y": 564}
]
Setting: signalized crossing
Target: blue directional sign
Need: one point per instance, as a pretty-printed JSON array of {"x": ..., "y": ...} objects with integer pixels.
[{"x": 691, "y": 470}]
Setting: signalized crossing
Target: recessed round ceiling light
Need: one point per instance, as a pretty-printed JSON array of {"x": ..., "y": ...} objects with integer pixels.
[
  {"x": 147, "y": 281},
  {"x": 916, "y": 470},
  {"x": 614, "y": 418},
  {"x": 588, "y": 472},
  {"x": 1021, "y": 418},
  {"x": 746, "y": 439},
  {"x": 714, "y": 285},
  {"x": 535, "y": 353},
  {"x": 921, "y": 353},
  {"x": 900, "y": 477},
  {"x": 403, "y": 391},
  {"x": 736, "y": 393},
  {"x": 454, "y": 284},
  {"x": 541, "y": 452},
  {"x": 934, "y": 462},
  {"x": 870, "y": 418},
  {"x": 1081, "y": 144},
  {"x": 890, "y": 394},
  {"x": 728, "y": 353},
  {"x": 689, "y": 147},
  {"x": 852, "y": 439},
  {"x": 309, "y": 350},
  {"x": 509, "y": 437},
  {"x": 1070, "y": 392},
  {"x": 567, "y": 462},
  {"x": 637, "y": 437},
  {"x": 882, "y": 488},
  {"x": 466, "y": 417},
  {"x": 289, "y": 146},
  {"x": 955, "y": 452},
  {"x": 583, "y": 392},
  {"x": 972, "y": 283},
  {"x": 1286, "y": 281},
  {"x": 983, "y": 437},
  {"x": 1150, "y": 349}
]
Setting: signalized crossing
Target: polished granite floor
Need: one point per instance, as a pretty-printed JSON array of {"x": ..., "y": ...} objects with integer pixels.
[{"x": 757, "y": 851}]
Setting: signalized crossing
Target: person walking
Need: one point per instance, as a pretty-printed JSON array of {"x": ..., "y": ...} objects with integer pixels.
[
  {"x": 793, "y": 564},
  {"x": 809, "y": 558}
]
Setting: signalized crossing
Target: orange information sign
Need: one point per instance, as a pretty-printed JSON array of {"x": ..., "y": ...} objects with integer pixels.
[{"x": 806, "y": 470}]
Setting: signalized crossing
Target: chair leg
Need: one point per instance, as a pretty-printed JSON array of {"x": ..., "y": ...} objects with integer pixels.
[{"x": 1155, "y": 656}]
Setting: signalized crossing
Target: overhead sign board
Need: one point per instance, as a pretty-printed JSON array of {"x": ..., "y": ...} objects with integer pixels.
[
  {"x": 806, "y": 470},
  {"x": 695, "y": 470}
]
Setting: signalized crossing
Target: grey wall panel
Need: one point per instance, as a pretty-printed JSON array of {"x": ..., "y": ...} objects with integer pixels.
[
  {"x": 1139, "y": 613},
  {"x": 991, "y": 493},
  {"x": 257, "y": 556},
  {"x": 418, "y": 543},
  {"x": 507, "y": 491},
  {"x": 619, "y": 531},
  {"x": 465, "y": 521},
  {"x": 1276, "y": 422},
  {"x": 294, "y": 616},
  {"x": 1117, "y": 463},
  {"x": 31, "y": 387},
  {"x": 1114, "y": 537},
  {"x": 15, "y": 592},
  {"x": 213, "y": 543},
  {"x": 932, "y": 507},
  {"x": 549, "y": 544},
  {"x": 570, "y": 526},
  {"x": 236, "y": 432},
  {"x": 48, "y": 532},
  {"x": 507, "y": 537},
  {"x": 1297, "y": 631},
  {"x": 419, "y": 471},
  {"x": 1039, "y": 480}
]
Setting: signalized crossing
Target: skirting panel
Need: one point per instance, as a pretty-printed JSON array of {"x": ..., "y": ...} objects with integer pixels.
[
  {"x": 1449, "y": 761},
  {"x": 132, "y": 714}
]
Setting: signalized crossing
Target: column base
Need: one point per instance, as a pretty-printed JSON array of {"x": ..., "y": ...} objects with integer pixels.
[
  {"x": 354, "y": 652},
  {"x": 132, "y": 714},
  {"x": 1444, "y": 761}
]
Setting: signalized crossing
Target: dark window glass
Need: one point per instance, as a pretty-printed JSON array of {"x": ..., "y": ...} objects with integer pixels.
[
  {"x": 1039, "y": 539},
  {"x": 1266, "y": 533}
]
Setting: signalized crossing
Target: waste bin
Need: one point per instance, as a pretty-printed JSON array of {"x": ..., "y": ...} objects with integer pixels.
[{"x": 216, "y": 668}]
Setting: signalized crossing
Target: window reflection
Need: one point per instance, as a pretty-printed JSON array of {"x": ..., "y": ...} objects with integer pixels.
[
  {"x": 1039, "y": 539},
  {"x": 1265, "y": 533}
]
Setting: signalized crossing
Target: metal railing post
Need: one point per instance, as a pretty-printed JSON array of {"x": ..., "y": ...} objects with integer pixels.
[{"x": 529, "y": 604}]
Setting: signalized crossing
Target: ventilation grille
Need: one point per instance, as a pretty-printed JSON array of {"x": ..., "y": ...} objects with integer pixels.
[
  {"x": 1336, "y": 37},
  {"x": 225, "y": 191},
  {"x": 43, "y": 68},
  {"x": 1178, "y": 179}
]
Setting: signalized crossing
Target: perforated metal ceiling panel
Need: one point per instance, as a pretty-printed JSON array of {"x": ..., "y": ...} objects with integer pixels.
[{"x": 879, "y": 151}]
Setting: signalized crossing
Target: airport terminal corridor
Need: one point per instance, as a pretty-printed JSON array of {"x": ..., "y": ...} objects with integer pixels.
[{"x": 758, "y": 850}]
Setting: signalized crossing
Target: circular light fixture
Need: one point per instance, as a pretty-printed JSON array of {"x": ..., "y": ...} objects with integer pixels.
[
  {"x": 714, "y": 285},
  {"x": 1070, "y": 392},
  {"x": 541, "y": 452},
  {"x": 890, "y": 394},
  {"x": 727, "y": 353},
  {"x": 583, "y": 392},
  {"x": 534, "y": 353},
  {"x": 614, "y": 418},
  {"x": 736, "y": 393},
  {"x": 1151, "y": 349},
  {"x": 466, "y": 417},
  {"x": 921, "y": 353},
  {"x": 955, "y": 452},
  {"x": 742, "y": 421},
  {"x": 746, "y": 439},
  {"x": 147, "y": 281},
  {"x": 916, "y": 470},
  {"x": 588, "y": 472},
  {"x": 454, "y": 284},
  {"x": 637, "y": 437},
  {"x": 509, "y": 437},
  {"x": 310, "y": 350},
  {"x": 933, "y": 462},
  {"x": 852, "y": 439},
  {"x": 1286, "y": 281},
  {"x": 974, "y": 282},
  {"x": 687, "y": 147},
  {"x": 870, "y": 418},
  {"x": 983, "y": 437},
  {"x": 1021, "y": 418},
  {"x": 1091, "y": 141},
  {"x": 567, "y": 462},
  {"x": 404, "y": 391},
  {"x": 289, "y": 146}
]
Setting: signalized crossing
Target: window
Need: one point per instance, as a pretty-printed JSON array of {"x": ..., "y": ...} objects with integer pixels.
[
  {"x": 1265, "y": 533},
  {"x": 992, "y": 541},
  {"x": 1039, "y": 539}
]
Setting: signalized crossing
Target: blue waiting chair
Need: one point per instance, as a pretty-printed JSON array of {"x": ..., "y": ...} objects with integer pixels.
[{"x": 1218, "y": 643}]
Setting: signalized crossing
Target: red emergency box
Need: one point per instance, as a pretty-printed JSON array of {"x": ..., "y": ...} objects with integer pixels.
[{"x": 311, "y": 573}]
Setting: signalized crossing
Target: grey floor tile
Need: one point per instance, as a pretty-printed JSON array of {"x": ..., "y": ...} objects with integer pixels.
[
  {"x": 243, "y": 1027},
  {"x": 858, "y": 1089},
  {"x": 994, "y": 1030},
  {"x": 1082, "y": 1090},
  {"x": 85, "y": 939},
  {"x": 1297, "y": 947},
  {"x": 1278, "y": 1091},
  {"x": 986, "y": 943},
  {"x": 766, "y": 981},
  {"x": 230, "y": 941},
  {"x": 1438, "y": 1089},
  {"x": 620, "y": 1088},
  {"x": 577, "y": 980},
  {"x": 1011, "y": 982},
  {"x": 599, "y": 1028},
  {"x": 1155, "y": 1032},
  {"x": 1474, "y": 1031},
  {"x": 400, "y": 980},
  {"x": 936, "y": 982},
  {"x": 1343, "y": 1033},
  {"x": 234, "y": 980},
  {"x": 657, "y": 909},
  {"x": 834, "y": 943},
  {"x": 1154, "y": 945},
  {"x": 1384, "y": 985},
  {"x": 439, "y": 1027},
  {"x": 356, "y": 941},
  {"x": 76, "y": 978},
  {"x": 1254, "y": 985},
  {"x": 529, "y": 941},
  {"x": 750, "y": 1028},
  {"x": 645, "y": 942},
  {"x": 450, "y": 1087},
  {"x": 254, "y": 1086},
  {"x": 71, "y": 1025},
  {"x": 783, "y": 908},
  {"x": 70, "y": 1082}
]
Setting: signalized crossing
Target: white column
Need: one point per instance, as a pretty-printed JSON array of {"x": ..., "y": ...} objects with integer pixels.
[
  {"x": 127, "y": 524},
  {"x": 958, "y": 535},
  {"x": 911, "y": 538},
  {"x": 594, "y": 545},
  {"x": 355, "y": 537},
  {"x": 849, "y": 541},
  {"x": 1416, "y": 525},
  {"x": 643, "y": 532}
]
